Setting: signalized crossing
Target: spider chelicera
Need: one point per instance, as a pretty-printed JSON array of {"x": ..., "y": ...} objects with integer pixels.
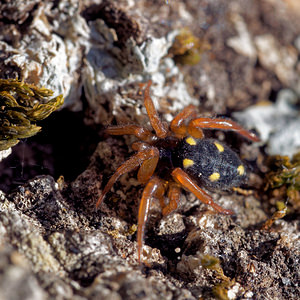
[{"x": 178, "y": 156}]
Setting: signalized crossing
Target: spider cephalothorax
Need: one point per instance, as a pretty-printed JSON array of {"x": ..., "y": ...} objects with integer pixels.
[{"x": 178, "y": 157}]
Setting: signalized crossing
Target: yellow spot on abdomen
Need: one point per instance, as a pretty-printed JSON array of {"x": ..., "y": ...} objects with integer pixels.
[
  {"x": 214, "y": 176},
  {"x": 241, "y": 170},
  {"x": 187, "y": 162},
  {"x": 191, "y": 141},
  {"x": 219, "y": 146}
]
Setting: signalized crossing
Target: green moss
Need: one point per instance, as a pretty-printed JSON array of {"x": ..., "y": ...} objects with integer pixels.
[
  {"x": 211, "y": 263},
  {"x": 284, "y": 179},
  {"x": 187, "y": 48},
  {"x": 21, "y": 105},
  {"x": 220, "y": 291}
]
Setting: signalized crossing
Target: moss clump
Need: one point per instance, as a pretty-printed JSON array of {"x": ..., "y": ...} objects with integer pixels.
[
  {"x": 187, "y": 48},
  {"x": 283, "y": 180},
  {"x": 21, "y": 105},
  {"x": 220, "y": 291}
]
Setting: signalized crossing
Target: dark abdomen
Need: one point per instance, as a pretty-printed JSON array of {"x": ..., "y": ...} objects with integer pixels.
[{"x": 211, "y": 163}]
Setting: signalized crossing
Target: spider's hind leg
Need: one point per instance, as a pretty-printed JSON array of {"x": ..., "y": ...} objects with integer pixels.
[
  {"x": 185, "y": 181},
  {"x": 219, "y": 123}
]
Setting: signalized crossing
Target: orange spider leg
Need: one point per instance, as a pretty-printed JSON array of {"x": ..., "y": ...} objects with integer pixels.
[
  {"x": 155, "y": 121},
  {"x": 140, "y": 132},
  {"x": 154, "y": 189},
  {"x": 148, "y": 167},
  {"x": 182, "y": 178},
  {"x": 129, "y": 165},
  {"x": 178, "y": 126},
  {"x": 139, "y": 146},
  {"x": 174, "y": 198},
  {"x": 219, "y": 123}
]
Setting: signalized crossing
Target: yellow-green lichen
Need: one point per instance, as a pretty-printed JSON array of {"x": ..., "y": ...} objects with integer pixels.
[
  {"x": 187, "y": 48},
  {"x": 220, "y": 290},
  {"x": 279, "y": 214},
  {"x": 283, "y": 180},
  {"x": 21, "y": 105}
]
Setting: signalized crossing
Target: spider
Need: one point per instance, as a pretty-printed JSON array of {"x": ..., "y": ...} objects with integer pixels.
[{"x": 178, "y": 156}]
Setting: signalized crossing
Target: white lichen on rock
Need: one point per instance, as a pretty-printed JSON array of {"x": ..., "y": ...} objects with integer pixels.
[{"x": 278, "y": 125}]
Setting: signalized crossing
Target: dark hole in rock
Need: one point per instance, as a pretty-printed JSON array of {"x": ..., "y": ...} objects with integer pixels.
[{"x": 63, "y": 147}]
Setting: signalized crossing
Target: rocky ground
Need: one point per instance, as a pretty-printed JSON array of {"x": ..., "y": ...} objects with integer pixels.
[{"x": 54, "y": 244}]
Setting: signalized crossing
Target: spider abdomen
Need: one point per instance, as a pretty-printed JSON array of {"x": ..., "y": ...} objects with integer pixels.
[{"x": 211, "y": 163}]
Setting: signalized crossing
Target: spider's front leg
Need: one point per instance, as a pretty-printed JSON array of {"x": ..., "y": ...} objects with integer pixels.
[
  {"x": 178, "y": 125},
  {"x": 155, "y": 188},
  {"x": 158, "y": 126},
  {"x": 149, "y": 165},
  {"x": 185, "y": 181},
  {"x": 142, "y": 159},
  {"x": 140, "y": 132},
  {"x": 195, "y": 127}
]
